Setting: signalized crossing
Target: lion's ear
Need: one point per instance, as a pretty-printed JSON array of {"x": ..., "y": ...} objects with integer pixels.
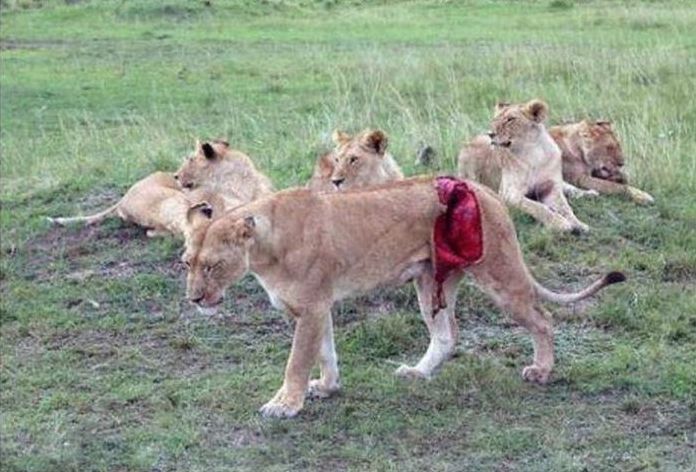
[
  {"x": 604, "y": 124},
  {"x": 375, "y": 139},
  {"x": 536, "y": 110},
  {"x": 500, "y": 106},
  {"x": 203, "y": 208},
  {"x": 339, "y": 137},
  {"x": 208, "y": 151},
  {"x": 244, "y": 229}
]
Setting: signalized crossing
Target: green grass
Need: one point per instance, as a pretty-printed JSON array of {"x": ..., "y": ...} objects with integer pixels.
[{"x": 105, "y": 366}]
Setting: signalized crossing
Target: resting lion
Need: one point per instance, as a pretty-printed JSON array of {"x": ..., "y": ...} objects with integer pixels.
[
  {"x": 218, "y": 168},
  {"x": 521, "y": 161},
  {"x": 593, "y": 159},
  {"x": 158, "y": 204},
  {"x": 310, "y": 249},
  {"x": 357, "y": 161}
]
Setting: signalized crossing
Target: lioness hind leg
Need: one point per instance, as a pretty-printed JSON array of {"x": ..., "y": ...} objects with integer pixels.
[
  {"x": 511, "y": 288},
  {"x": 327, "y": 383},
  {"x": 443, "y": 329}
]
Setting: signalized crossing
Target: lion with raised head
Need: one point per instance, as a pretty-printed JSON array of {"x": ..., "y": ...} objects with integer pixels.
[
  {"x": 356, "y": 161},
  {"x": 520, "y": 160},
  {"x": 311, "y": 249},
  {"x": 593, "y": 159},
  {"x": 218, "y": 168},
  {"x": 158, "y": 204}
]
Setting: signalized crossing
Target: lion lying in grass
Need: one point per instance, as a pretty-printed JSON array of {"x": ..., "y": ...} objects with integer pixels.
[
  {"x": 593, "y": 159},
  {"x": 521, "y": 161},
  {"x": 218, "y": 168},
  {"x": 310, "y": 249},
  {"x": 158, "y": 204},
  {"x": 356, "y": 161}
]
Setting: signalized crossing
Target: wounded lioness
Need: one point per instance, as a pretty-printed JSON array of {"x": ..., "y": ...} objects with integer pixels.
[
  {"x": 521, "y": 161},
  {"x": 357, "y": 161},
  {"x": 158, "y": 204},
  {"x": 593, "y": 159},
  {"x": 310, "y": 249},
  {"x": 226, "y": 171}
]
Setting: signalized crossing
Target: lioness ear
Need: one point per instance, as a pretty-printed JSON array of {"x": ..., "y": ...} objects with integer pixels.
[
  {"x": 536, "y": 110},
  {"x": 204, "y": 208},
  {"x": 245, "y": 228},
  {"x": 500, "y": 106},
  {"x": 208, "y": 151},
  {"x": 339, "y": 137},
  {"x": 376, "y": 140},
  {"x": 603, "y": 124}
]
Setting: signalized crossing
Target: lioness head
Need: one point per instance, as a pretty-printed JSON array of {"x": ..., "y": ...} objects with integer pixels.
[
  {"x": 217, "y": 256},
  {"x": 516, "y": 125},
  {"x": 358, "y": 160},
  {"x": 201, "y": 165},
  {"x": 601, "y": 151}
]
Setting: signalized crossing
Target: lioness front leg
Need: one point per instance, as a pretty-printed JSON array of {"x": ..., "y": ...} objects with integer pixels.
[
  {"x": 558, "y": 202},
  {"x": 610, "y": 188},
  {"x": 442, "y": 327},
  {"x": 305, "y": 347},
  {"x": 540, "y": 212},
  {"x": 571, "y": 191},
  {"x": 327, "y": 383}
]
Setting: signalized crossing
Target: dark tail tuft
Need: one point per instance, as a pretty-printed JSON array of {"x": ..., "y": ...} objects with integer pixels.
[{"x": 614, "y": 277}]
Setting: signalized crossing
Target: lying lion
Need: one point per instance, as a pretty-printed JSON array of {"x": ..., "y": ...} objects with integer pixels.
[
  {"x": 157, "y": 203},
  {"x": 357, "y": 161},
  {"x": 521, "y": 161},
  {"x": 593, "y": 159},
  {"x": 310, "y": 249},
  {"x": 218, "y": 168}
]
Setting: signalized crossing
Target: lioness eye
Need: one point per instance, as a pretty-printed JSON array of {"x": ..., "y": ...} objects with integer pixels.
[{"x": 353, "y": 159}]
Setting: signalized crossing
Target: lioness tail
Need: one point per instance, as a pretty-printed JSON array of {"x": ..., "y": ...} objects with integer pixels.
[
  {"x": 608, "y": 279},
  {"x": 88, "y": 220}
]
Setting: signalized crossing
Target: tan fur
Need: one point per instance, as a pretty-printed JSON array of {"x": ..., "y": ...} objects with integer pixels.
[
  {"x": 157, "y": 203},
  {"x": 231, "y": 173},
  {"x": 356, "y": 161},
  {"x": 593, "y": 159},
  {"x": 311, "y": 249},
  {"x": 523, "y": 164}
]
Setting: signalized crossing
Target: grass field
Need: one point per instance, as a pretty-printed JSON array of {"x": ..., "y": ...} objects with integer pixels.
[{"x": 104, "y": 365}]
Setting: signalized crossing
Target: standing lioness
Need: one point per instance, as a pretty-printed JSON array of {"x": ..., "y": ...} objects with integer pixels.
[{"x": 309, "y": 250}]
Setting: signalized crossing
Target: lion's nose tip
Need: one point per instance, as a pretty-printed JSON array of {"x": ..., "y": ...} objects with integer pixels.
[
  {"x": 176, "y": 176},
  {"x": 337, "y": 182}
]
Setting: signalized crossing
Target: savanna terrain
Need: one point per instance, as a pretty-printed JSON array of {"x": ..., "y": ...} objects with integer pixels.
[{"x": 105, "y": 366}]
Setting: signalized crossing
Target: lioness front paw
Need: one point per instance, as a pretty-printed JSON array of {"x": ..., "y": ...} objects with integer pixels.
[
  {"x": 407, "y": 372},
  {"x": 317, "y": 389},
  {"x": 640, "y": 197},
  {"x": 534, "y": 373},
  {"x": 279, "y": 409}
]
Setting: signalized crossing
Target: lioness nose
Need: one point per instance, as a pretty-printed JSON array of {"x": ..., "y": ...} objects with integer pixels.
[
  {"x": 176, "y": 176},
  {"x": 337, "y": 182}
]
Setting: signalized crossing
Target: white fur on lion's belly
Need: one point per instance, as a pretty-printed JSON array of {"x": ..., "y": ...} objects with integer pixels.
[
  {"x": 207, "y": 310},
  {"x": 272, "y": 297}
]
